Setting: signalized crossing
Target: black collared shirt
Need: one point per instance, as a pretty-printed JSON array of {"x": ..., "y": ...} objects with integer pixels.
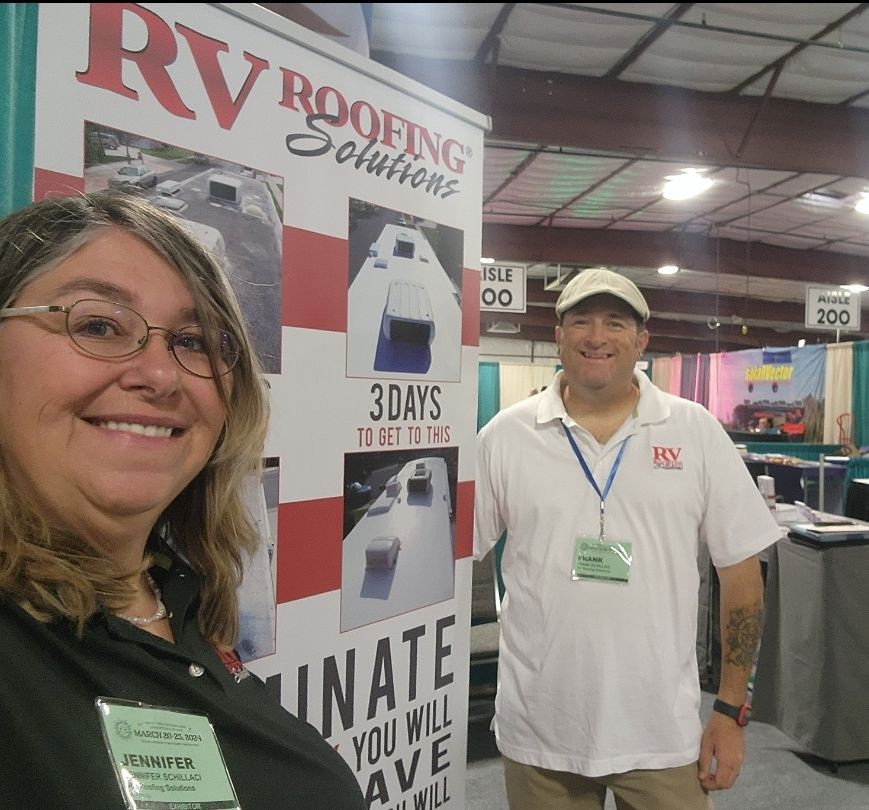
[{"x": 52, "y": 753}]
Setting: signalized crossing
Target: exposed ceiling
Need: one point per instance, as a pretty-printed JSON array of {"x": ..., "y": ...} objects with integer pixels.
[{"x": 594, "y": 106}]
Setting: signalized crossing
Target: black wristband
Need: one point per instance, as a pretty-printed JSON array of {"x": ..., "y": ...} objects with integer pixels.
[{"x": 741, "y": 714}]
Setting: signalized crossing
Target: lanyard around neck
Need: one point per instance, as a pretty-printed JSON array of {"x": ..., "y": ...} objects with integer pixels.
[{"x": 609, "y": 481}]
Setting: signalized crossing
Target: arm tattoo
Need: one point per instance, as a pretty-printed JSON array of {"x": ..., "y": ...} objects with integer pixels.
[{"x": 743, "y": 635}]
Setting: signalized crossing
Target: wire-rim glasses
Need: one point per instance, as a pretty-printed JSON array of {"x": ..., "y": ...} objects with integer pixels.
[{"x": 109, "y": 330}]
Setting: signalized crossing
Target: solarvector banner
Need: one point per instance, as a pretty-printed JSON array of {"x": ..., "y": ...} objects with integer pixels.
[{"x": 781, "y": 388}]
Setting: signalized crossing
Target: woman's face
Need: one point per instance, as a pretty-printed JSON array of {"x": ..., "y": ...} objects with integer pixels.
[{"x": 97, "y": 441}]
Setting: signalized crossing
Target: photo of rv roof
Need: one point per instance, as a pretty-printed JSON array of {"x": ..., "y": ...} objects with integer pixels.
[
  {"x": 234, "y": 210},
  {"x": 404, "y": 315},
  {"x": 257, "y": 611},
  {"x": 399, "y": 556}
]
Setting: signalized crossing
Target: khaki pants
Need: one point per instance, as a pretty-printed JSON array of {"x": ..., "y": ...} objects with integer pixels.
[{"x": 532, "y": 788}]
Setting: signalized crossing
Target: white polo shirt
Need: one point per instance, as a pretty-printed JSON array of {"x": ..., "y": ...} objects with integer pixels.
[{"x": 597, "y": 677}]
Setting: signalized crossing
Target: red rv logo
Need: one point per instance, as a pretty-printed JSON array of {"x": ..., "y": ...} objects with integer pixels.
[
  {"x": 666, "y": 458},
  {"x": 389, "y": 145}
]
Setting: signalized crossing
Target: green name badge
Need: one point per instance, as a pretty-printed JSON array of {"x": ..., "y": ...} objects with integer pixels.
[
  {"x": 165, "y": 758},
  {"x": 604, "y": 561}
]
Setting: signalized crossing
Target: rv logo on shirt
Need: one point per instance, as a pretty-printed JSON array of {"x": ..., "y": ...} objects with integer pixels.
[{"x": 666, "y": 458}]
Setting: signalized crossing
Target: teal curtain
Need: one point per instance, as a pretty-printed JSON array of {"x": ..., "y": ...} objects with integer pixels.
[
  {"x": 17, "y": 103},
  {"x": 860, "y": 393},
  {"x": 488, "y": 404},
  {"x": 488, "y": 392}
]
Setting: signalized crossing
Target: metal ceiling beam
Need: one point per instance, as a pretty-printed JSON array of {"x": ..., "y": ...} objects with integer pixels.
[
  {"x": 703, "y": 25},
  {"x": 584, "y": 193},
  {"x": 671, "y": 332},
  {"x": 670, "y": 123},
  {"x": 544, "y": 318},
  {"x": 779, "y": 63},
  {"x": 747, "y": 197},
  {"x": 632, "y": 119},
  {"x": 688, "y": 302},
  {"x": 767, "y": 94},
  {"x": 648, "y": 39},
  {"x": 491, "y": 39},
  {"x": 529, "y": 244},
  {"x": 658, "y": 344},
  {"x": 526, "y": 162}
]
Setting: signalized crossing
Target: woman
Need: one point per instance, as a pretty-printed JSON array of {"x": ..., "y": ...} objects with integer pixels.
[{"x": 131, "y": 408}]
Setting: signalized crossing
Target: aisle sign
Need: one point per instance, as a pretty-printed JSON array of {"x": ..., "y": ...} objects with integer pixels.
[
  {"x": 502, "y": 289},
  {"x": 832, "y": 308}
]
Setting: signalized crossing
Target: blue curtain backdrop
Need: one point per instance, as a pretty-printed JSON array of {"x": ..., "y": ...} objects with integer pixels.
[
  {"x": 688, "y": 381},
  {"x": 703, "y": 380},
  {"x": 18, "y": 23}
]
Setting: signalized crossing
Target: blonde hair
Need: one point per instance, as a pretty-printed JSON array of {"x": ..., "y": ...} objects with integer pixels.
[{"x": 49, "y": 570}]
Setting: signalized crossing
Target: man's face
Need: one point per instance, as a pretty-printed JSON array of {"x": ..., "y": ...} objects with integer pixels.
[{"x": 599, "y": 342}]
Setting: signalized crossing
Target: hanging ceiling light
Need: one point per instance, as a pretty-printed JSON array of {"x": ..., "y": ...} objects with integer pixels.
[
  {"x": 854, "y": 288},
  {"x": 686, "y": 185},
  {"x": 668, "y": 269},
  {"x": 862, "y": 206}
]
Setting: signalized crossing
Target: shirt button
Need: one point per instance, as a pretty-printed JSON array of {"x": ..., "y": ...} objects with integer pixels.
[{"x": 196, "y": 670}]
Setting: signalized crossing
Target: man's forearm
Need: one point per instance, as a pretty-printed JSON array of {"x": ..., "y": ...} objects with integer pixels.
[{"x": 741, "y": 609}]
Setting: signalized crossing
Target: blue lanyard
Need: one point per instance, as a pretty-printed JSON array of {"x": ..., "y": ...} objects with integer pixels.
[{"x": 590, "y": 477}]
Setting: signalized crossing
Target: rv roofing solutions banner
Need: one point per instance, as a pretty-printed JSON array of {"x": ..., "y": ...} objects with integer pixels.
[{"x": 344, "y": 201}]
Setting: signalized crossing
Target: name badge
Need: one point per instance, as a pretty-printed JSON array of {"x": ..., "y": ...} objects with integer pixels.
[
  {"x": 602, "y": 560},
  {"x": 165, "y": 758}
]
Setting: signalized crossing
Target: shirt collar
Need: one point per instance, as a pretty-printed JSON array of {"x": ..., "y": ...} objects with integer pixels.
[
  {"x": 550, "y": 405},
  {"x": 651, "y": 407}
]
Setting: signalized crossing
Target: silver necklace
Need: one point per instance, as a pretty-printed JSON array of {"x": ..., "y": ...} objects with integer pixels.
[{"x": 161, "y": 612}]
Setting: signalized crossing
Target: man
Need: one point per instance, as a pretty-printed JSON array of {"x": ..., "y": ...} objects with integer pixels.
[
  {"x": 606, "y": 486},
  {"x": 765, "y": 425}
]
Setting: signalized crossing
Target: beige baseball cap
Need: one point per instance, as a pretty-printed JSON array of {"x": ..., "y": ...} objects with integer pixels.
[{"x": 600, "y": 281}]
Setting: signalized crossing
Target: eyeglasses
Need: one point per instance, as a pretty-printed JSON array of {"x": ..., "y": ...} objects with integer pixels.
[{"x": 106, "y": 329}]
